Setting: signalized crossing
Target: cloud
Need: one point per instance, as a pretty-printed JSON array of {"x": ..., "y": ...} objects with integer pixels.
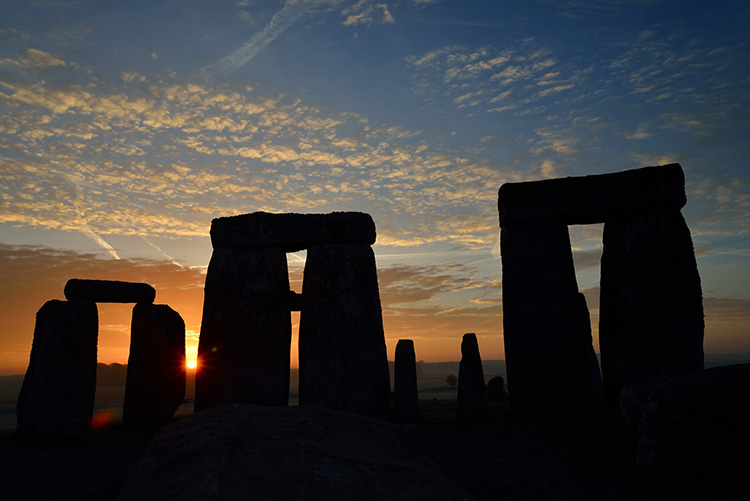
[
  {"x": 367, "y": 12},
  {"x": 726, "y": 309},
  {"x": 35, "y": 59},
  {"x": 281, "y": 21}
]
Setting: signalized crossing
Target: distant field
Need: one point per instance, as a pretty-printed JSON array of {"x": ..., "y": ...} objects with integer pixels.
[{"x": 431, "y": 380}]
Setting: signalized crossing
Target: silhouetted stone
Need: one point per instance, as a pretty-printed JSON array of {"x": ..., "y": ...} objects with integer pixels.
[
  {"x": 292, "y": 232},
  {"x": 546, "y": 324},
  {"x": 405, "y": 394},
  {"x": 342, "y": 353},
  {"x": 694, "y": 437},
  {"x": 57, "y": 396},
  {"x": 295, "y": 301},
  {"x": 156, "y": 377},
  {"x": 241, "y": 451},
  {"x": 243, "y": 352},
  {"x": 651, "y": 316},
  {"x": 651, "y": 309},
  {"x": 472, "y": 393},
  {"x": 496, "y": 389},
  {"x": 108, "y": 291},
  {"x": 592, "y": 199}
]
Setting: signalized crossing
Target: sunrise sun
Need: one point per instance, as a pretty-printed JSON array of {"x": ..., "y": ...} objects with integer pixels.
[{"x": 192, "y": 364}]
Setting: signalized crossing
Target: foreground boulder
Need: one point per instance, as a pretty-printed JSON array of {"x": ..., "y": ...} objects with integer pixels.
[
  {"x": 243, "y": 451},
  {"x": 694, "y": 437}
]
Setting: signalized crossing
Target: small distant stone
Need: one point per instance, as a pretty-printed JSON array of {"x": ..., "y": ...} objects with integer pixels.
[
  {"x": 109, "y": 291},
  {"x": 496, "y": 389}
]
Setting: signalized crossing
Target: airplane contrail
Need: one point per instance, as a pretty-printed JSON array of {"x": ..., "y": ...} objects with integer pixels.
[
  {"x": 86, "y": 229},
  {"x": 280, "y": 22},
  {"x": 170, "y": 258}
]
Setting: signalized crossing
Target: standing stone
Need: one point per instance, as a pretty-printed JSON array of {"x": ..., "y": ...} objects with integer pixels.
[
  {"x": 109, "y": 291},
  {"x": 342, "y": 353},
  {"x": 156, "y": 377},
  {"x": 546, "y": 325},
  {"x": 651, "y": 310},
  {"x": 57, "y": 395},
  {"x": 405, "y": 395},
  {"x": 245, "y": 341},
  {"x": 472, "y": 394}
]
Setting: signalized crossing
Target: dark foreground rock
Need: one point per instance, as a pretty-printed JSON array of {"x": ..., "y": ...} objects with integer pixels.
[
  {"x": 694, "y": 437},
  {"x": 242, "y": 451}
]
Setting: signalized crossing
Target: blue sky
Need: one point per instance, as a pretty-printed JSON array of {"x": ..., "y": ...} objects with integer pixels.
[{"x": 125, "y": 127}]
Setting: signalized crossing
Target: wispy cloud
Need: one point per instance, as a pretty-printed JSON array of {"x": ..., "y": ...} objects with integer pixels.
[{"x": 279, "y": 23}]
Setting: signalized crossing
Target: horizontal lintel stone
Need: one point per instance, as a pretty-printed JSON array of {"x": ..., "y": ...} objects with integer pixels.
[
  {"x": 109, "y": 291},
  {"x": 592, "y": 199},
  {"x": 290, "y": 231}
]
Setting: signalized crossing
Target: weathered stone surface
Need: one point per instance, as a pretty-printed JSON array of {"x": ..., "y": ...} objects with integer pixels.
[
  {"x": 694, "y": 436},
  {"x": 546, "y": 325},
  {"x": 342, "y": 353},
  {"x": 57, "y": 396},
  {"x": 592, "y": 199},
  {"x": 243, "y": 352},
  {"x": 496, "y": 389},
  {"x": 241, "y": 451},
  {"x": 651, "y": 310},
  {"x": 108, "y": 291},
  {"x": 156, "y": 376},
  {"x": 472, "y": 393},
  {"x": 405, "y": 392},
  {"x": 292, "y": 232}
]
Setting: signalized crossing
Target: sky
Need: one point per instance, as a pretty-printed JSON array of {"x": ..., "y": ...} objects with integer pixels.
[{"x": 127, "y": 126}]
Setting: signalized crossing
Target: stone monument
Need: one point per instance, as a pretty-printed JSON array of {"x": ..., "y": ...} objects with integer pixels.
[
  {"x": 57, "y": 395},
  {"x": 651, "y": 314},
  {"x": 243, "y": 355}
]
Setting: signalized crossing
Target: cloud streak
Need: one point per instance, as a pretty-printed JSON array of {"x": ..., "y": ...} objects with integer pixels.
[{"x": 279, "y": 23}]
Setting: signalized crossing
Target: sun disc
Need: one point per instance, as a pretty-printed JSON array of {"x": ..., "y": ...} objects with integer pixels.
[{"x": 192, "y": 364}]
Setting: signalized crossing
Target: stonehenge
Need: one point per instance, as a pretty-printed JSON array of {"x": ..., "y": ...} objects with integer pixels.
[
  {"x": 57, "y": 395},
  {"x": 244, "y": 347},
  {"x": 651, "y": 315}
]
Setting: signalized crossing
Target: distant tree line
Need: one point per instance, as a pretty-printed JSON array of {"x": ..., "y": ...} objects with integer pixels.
[{"x": 111, "y": 374}]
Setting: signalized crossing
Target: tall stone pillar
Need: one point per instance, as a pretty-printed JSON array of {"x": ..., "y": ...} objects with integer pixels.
[
  {"x": 546, "y": 325},
  {"x": 57, "y": 395},
  {"x": 243, "y": 353},
  {"x": 342, "y": 353},
  {"x": 155, "y": 385},
  {"x": 405, "y": 390},
  {"x": 651, "y": 310},
  {"x": 472, "y": 393}
]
